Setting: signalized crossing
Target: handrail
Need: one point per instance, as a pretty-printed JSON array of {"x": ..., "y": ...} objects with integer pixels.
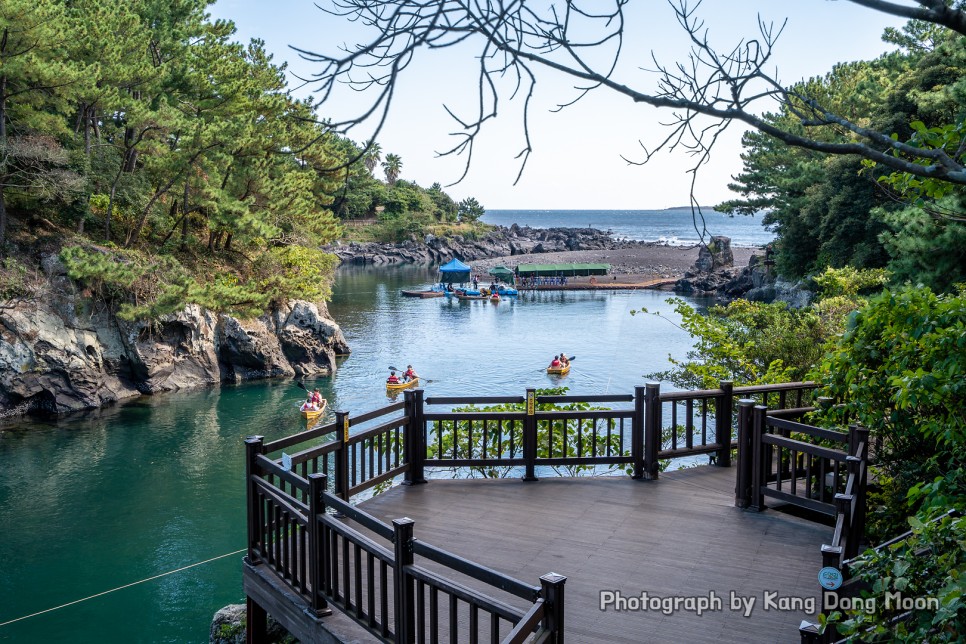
[
  {"x": 382, "y": 411},
  {"x": 591, "y": 398},
  {"x": 476, "y": 571},
  {"x": 489, "y": 604},
  {"x": 365, "y": 519},
  {"x": 273, "y": 468},
  {"x": 783, "y": 386},
  {"x": 295, "y": 439},
  {"x": 805, "y": 448},
  {"x": 400, "y": 421},
  {"x": 474, "y": 400},
  {"x": 801, "y": 428}
]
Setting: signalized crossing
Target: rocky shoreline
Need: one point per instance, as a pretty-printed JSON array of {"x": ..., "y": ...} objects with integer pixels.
[
  {"x": 500, "y": 242},
  {"x": 63, "y": 351}
]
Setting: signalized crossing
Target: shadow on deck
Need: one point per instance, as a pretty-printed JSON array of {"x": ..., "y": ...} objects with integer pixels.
[{"x": 682, "y": 536}]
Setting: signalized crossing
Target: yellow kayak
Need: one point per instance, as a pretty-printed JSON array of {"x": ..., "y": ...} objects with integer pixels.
[
  {"x": 559, "y": 371},
  {"x": 402, "y": 385},
  {"x": 312, "y": 415}
]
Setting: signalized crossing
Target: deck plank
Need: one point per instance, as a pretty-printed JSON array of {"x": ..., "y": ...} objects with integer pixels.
[{"x": 680, "y": 535}]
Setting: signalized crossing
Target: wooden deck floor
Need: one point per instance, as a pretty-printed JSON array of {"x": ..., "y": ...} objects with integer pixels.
[{"x": 679, "y": 536}]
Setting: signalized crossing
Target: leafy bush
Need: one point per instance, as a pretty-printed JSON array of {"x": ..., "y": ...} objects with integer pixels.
[
  {"x": 144, "y": 287},
  {"x": 746, "y": 342},
  {"x": 14, "y": 280},
  {"x": 929, "y": 566},
  {"x": 900, "y": 370}
]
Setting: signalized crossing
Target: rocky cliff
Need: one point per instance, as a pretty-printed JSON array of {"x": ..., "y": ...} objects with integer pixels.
[
  {"x": 62, "y": 351},
  {"x": 715, "y": 275},
  {"x": 501, "y": 242}
]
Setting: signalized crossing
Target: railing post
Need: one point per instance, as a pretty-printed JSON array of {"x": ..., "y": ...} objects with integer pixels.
[
  {"x": 745, "y": 453},
  {"x": 652, "y": 429},
  {"x": 552, "y": 586},
  {"x": 415, "y": 437},
  {"x": 405, "y": 598},
  {"x": 530, "y": 436},
  {"x": 759, "y": 475},
  {"x": 862, "y": 438},
  {"x": 724, "y": 407},
  {"x": 256, "y": 629},
  {"x": 317, "y": 484},
  {"x": 342, "y": 455},
  {"x": 254, "y": 445},
  {"x": 637, "y": 432}
]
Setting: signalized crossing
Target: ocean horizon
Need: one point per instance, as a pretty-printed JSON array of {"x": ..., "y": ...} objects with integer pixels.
[{"x": 672, "y": 226}]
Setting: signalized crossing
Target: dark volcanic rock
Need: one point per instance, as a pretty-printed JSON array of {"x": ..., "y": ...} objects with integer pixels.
[
  {"x": 66, "y": 353},
  {"x": 502, "y": 242}
]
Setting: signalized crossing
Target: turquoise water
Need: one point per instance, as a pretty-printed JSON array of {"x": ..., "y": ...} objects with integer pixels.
[
  {"x": 96, "y": 501},
  {"x": 674, "y": 226}
]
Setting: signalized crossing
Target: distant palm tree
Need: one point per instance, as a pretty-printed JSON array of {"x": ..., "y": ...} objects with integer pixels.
[
  {"x": 392, "y": 166},
  {"x": 371, "y": 156}
]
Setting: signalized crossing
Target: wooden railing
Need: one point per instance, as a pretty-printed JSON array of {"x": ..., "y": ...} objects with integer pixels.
[
  {"x": 787, "y": 461},
  {"x": 337, "y": 559},
  {"x": 295, "y": 481}
]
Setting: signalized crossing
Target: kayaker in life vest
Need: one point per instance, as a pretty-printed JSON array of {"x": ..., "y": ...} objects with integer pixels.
[
  {"x": 317, "y": 397},
  {"x": 555, "y": 363},
  {"x": 393, "y": 379},
  {"x": 308, "y": 405},
  {"x": 410, "y": 374}
]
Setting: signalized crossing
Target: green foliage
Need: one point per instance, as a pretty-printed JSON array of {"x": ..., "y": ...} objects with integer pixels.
[
  {"x": 832, "y": 211},
  {"x": 849, "y": 282},
  {"x": 470, "y": 210},
  {"x": 926, "y": 248},
  {"x": 142, "y": 286},
  {"x": 900, "y": 370},
  {"x": 930, "y": 565},
  {"x": 748, "y": 343},
  {"x": 14, "y": 279}
]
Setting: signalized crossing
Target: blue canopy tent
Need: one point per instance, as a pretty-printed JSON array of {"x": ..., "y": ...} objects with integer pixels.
[{"x": 454, "y": 271}]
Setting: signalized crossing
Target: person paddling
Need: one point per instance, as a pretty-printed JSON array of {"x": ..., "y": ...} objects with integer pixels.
[
  {"x": 393, "y": 379},
  {"x": 410, "y": 374},
  {"x": 555, "y": 363}
]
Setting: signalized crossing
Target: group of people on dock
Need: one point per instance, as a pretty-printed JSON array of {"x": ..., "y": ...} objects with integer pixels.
[
  {"x": 313, "y": 401},
  {"x": 533, "y": 282},
  {"x": 408, "y": 376}
]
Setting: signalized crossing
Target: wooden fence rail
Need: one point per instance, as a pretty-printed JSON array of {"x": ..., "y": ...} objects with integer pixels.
[{"x": 370, "y": 572}]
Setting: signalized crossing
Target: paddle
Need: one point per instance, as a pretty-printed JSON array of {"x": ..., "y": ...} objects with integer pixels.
[{"x": 391, "y": 368}]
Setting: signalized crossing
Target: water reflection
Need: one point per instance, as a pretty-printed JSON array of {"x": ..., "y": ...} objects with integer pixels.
[{"x": 98, "y": 500}]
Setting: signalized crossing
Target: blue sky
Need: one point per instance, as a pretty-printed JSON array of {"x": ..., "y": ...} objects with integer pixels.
[{"x": 576, "y": 161}]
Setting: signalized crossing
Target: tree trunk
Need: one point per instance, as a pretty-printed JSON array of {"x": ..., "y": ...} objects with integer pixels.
[
  {"x": 110, "y": 205},
  {"x": 87, "y": 129},
  {"x": 3, "y": 162},
  {"x": 228, "y": 243}
]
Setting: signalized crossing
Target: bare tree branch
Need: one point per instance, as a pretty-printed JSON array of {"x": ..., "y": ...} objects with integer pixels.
[{"x": 583, "y": 40}]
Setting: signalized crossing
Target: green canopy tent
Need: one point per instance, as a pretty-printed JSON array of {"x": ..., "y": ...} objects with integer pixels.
[
  {"x": 501, "y": 273},
  {"x": 561, "y": 270}
]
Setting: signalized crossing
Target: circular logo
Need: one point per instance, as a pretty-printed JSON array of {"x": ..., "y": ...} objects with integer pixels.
[{"x": 830, "y": 578}]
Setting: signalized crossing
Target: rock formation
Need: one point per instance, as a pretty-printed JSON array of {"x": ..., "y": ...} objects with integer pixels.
[
  {"x": 66, "y": 352},
  {"x": 713, "y": 274},
  {"x": 502, "y": 242}
]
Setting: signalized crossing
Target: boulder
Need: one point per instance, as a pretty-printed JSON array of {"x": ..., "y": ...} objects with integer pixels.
[{"x": 714, "y": 255}]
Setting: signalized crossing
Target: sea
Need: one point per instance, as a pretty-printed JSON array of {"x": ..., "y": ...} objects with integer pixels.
[{"x": 673, "y": 226}]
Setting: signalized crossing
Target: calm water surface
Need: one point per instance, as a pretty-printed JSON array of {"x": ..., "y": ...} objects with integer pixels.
[{"x": 96, "y": 501}]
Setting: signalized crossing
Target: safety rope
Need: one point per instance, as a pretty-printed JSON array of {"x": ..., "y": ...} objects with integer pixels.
[{"x": 133, "y": 583}]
